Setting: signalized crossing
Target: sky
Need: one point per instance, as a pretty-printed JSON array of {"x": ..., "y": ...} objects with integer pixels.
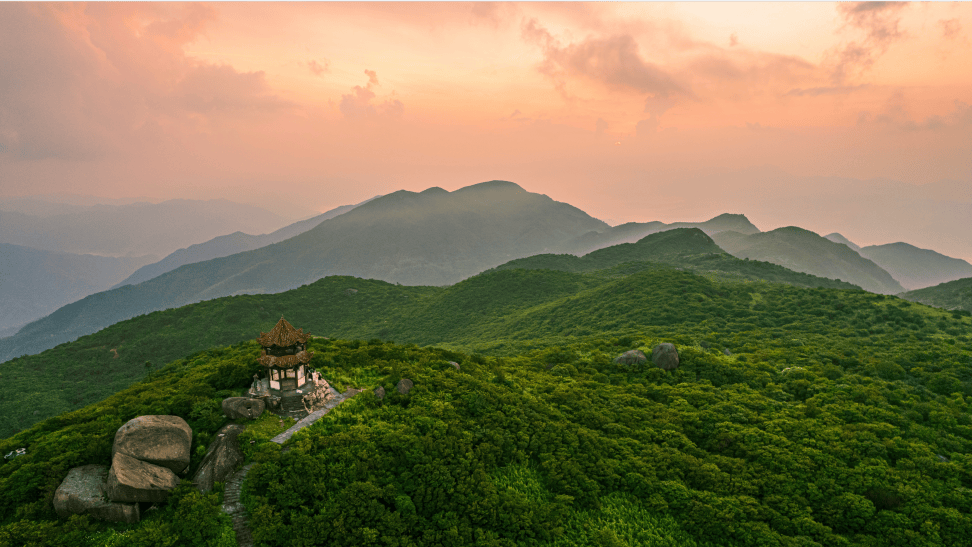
[{"x": 829, "y": 116}]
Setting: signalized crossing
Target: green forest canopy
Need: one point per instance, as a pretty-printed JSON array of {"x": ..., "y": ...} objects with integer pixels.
[{"x": 839, "y": 417}]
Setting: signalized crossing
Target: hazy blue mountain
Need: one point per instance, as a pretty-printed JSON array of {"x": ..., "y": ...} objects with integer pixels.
[
  {"x": 953, "y": 295},
  {"x": 805, "y": 251},
  {"x": 34, "y": 283},
  {"x": 433, "y": 237},
  {"x": 134, "y": 229},
  {"x": 633, "y": 231},
  {"x": 916, "y": 268},
  {"x": 837, "y": 238},
  {"x": 226, "y": 245}
]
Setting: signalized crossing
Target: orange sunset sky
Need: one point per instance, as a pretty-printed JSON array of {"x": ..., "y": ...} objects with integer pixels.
[{"x": 630, "y": 111}]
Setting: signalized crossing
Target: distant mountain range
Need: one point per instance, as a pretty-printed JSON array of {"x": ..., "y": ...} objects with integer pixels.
[
  {"x": 34, "y": 283},
  {"x": 438, "y": 238},
  {"x": 634, "y": 231},
  {"x": 917, "y": 268},
  {"x": 136, "y": 229},
  {"x": 804, "y": 251},
  {"x": 433, "y": 237},
  {"x": 226, "y": 245}
]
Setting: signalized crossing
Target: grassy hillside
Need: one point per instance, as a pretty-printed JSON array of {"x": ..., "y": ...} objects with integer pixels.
[
  {"x": 804, "y": 251},
  {"x": 840, "y": 418},
  {"x": 954, "y": 295},
  {"x": 916, "y": 268}
]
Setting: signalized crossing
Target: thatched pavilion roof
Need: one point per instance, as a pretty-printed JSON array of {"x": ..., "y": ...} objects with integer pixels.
[{"x": 283, "y": 335}]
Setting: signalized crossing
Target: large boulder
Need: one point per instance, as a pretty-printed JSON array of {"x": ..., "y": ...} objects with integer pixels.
[
  {"x": 221, "y": 459},
  {"x": 633, "y": 357},
  {"x": 665, "y": 356},
  {"x": 404, "y": 386},
  {"x": 83, "y": 493},
  {"x": 380, "y": 392},
  {"x": 131, "y": 480},
  {"x": 159, "y": 440},
  {"x": 243, "y": 408}
]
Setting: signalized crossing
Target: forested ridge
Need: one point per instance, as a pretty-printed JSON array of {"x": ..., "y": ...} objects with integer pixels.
[{"x": 798, "y": 416}]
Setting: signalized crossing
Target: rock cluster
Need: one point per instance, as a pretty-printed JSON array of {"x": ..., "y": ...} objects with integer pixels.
[{"x": 147, "y": 453}]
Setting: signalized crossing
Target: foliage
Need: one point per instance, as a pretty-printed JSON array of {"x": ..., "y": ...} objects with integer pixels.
[
  {"x": 797, "y": 417},
  {"x": 953, "y": 295}
]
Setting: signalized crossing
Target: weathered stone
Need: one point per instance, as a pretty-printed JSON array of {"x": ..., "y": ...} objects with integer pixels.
[
  {"x": 380, "y": 392},
  {"x": 726, "y": 351},
  {"x": 404, "y": 386},
  {"x": 131, "y": 480},
  {"x": 665, "y": 356},
  {"x": 633, "y": 357},
  {"x": 159, "y": 440},
  {"x": 455, "y": 364},
  {"x": 221, "y": 459},
  {"x": 243, "y": 408},
  {"x": 83, "y": 493}
]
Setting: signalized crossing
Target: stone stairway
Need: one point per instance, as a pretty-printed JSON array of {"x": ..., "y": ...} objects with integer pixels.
[
  {"x": 231, "y": 495},
  {"x": 235, "y": 509}
]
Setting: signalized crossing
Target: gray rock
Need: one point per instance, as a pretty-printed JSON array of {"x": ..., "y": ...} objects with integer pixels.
[
  {"x": 159, "y": 440},
  {"x": 351, "y": 291},
  {"x": 221, "y": 459},
  {"x": 83, "y": 493},
  {"x": 404, "y": 386},
  {"x": 455, "y": 364},
  {"x": 380, "y": 392},
  {"x": 665, "y": 356},
  {"x": 243, "y": 408},
  {"x": 633, "y": 357},
  {"x": 726, "y": 351},
  {"x": 131, "y": 480}
]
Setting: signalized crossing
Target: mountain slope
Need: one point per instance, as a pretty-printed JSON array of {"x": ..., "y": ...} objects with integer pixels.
[
  {"x": 226, "y": 245},
  {"x": 433, "y": 238},
  {"x": 634, "y": 231},
  {"x": 916, "y": 268},
  {"x": 805, "y": 251},
  {"x": 136, "y": 229},
  {"x": 953, "y": 295},
  {"x": 34, "y": 283},
  {"x": 837, "y": 238}
]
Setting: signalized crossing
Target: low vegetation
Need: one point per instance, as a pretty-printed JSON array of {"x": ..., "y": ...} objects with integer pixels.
[{"x": 797, "y": 417}]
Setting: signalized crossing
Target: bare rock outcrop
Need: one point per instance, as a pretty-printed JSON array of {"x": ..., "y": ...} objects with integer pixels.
[
  {"x": 633, "y": 357},
  {"x": 380, "y": 392},
  {"x": 221, "y": 459},
  {"x": 131, "y": 480},
  {"x": 159, "y": 440},
  {"x": 404, "y": 386},
  {"x": 243, "y": 408},
  {"x": 83, "y": 493},
  {"x": 665, "y": 356}
]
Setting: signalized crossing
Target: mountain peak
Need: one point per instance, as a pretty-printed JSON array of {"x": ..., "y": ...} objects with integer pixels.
[{"x": 492, "y": 185}]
